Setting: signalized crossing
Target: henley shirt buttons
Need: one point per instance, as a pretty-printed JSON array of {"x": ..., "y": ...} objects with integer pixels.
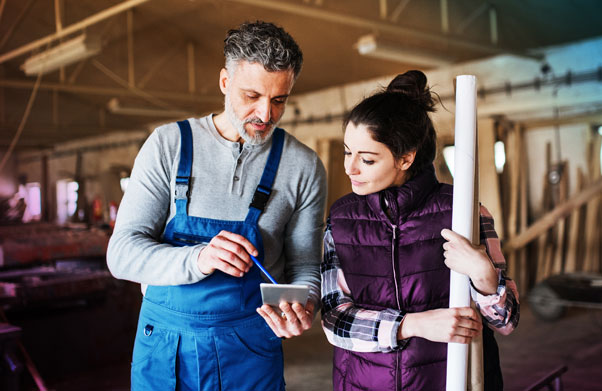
[
  {"x": 239, "y": 161},
  {"x": 236, "y": 178}
]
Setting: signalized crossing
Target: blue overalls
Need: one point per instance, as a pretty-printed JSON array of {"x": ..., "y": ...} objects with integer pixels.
[{"x": 207, "y": 336}]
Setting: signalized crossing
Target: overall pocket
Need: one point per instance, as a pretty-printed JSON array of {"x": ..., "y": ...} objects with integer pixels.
[
  {"x": 190, "y": 240},
  {"x": 154, "y": 359},
  {"x": 254, "y": 352}
]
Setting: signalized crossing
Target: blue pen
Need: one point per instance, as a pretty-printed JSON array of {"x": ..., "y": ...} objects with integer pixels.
[{"x": 260, "y": 266}]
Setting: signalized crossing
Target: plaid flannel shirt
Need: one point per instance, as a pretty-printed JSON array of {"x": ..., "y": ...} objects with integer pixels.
[{"x": 354, "y": 328}]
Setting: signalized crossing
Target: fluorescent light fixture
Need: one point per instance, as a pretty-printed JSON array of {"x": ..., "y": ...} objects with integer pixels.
[
  {"x": 61, "y": 55},
  {"x": 115, "y": 107},
  {"x": 368, "y": 45}
]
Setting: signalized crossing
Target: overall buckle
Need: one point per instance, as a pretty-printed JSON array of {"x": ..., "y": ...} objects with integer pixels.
[{"x": 260, "y": 198}]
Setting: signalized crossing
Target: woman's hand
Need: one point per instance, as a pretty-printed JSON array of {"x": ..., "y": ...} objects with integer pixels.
[
  {"x": 442, "y": 325},
  {"x": 463, "y": 257}
]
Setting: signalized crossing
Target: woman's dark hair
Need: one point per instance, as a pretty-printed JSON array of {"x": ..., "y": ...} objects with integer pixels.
[{"x": 398, "y": 117}]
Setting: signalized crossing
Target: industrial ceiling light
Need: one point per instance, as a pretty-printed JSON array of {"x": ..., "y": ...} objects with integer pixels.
[
  {"x": 61, "y": 55},
  {"x": 368, "y": 45}
]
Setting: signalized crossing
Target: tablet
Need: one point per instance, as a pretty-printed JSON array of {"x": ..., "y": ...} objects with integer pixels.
[{"x": 273, "y": 294}]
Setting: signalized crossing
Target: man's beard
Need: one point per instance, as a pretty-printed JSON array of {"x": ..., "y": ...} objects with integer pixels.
[{"x": 259, "y": 137}]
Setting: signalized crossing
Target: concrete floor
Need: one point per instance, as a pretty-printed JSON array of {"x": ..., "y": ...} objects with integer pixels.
[
  {"x": 531, "y": 352},
  {"x": 95, "y": 355}
]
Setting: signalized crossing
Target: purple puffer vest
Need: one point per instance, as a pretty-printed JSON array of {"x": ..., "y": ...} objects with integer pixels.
[{"x": 394, "y": 263}]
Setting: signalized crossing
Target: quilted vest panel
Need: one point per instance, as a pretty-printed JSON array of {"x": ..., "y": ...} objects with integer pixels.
[
  {"x": 395, "y": 260},
  {"x": 399, "y": 264}
]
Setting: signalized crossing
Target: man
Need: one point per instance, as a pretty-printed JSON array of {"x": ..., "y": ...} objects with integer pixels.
[{"x": 204, "y": 195}]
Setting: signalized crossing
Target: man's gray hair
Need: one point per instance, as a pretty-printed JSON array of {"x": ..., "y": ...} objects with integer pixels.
[{"x": 263, "y": 43}]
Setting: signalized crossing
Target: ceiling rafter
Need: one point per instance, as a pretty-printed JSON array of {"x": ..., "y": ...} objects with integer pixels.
[
  {"x": 109, "y": 91},
  {"x": 140, "y": 93},
  {"x": 16, "y": 23},
  {"x": 89, "y": 21},
  {"x": 313, "y": 12},
  {"x": 474, "y": 15},
  {"x": 398, "y": 10}
]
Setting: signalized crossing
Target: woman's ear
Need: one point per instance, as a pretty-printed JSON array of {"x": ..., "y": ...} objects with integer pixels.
[{"x": 406, "y": 160}]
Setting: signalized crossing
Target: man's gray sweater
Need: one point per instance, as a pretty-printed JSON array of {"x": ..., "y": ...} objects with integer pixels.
[{"x": 224, "y": 177}]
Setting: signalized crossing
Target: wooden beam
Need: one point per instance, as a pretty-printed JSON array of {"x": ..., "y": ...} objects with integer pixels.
[
  {"x": 550, "y": 218},
  {"x": 513, "y": 165},
  {"x": 493, "y": 29},
  {"x": 16, "y": 22},
  {"x": 57, "y": 15},
  {"x": 383, "y": 9},
  {"x": 378, "y": 25},
  {"x": 2, "y": 4},
  {"x": 130, "y": 36},
  {"x": 444, "y": 17},
  {"x": 471, "y": 18},
  {"x": 191, "y": 69},
  {"x": 592, "y": 222},
  {"x": 573, "y": 244},
  {"x": 108, "y": 91},
  {"x": 140, "y": 93},
  {"x": 563, "y": 185},
  {"x": 398, "y": 10},
  {"x": 590, "y": 118},
  {"x": 158, "y": 64},
  {"x": 50, "y": 134},
  {"x": 80, "y": 65},
  {"x": 522, "y": 253},
  {"x": 489, "y": 193},
  {"x": 89, "y": 21}
]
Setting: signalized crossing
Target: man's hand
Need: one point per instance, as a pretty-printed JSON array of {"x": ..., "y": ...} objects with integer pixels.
[
  {"x": 228, "y": 252},
  {"x": 442, "y": 325},
  {"x": 291, "y": 321}
]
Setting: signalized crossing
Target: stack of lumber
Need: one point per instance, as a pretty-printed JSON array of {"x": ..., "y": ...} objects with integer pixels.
[{"x": 567, "y": 237}]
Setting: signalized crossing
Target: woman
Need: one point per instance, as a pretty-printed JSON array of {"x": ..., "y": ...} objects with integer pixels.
[{"x": 388, "y": 255}]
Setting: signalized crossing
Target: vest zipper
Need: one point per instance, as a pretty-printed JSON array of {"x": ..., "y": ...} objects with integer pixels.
[
  {"x": 396, "y": 297},
  {"x": 393, "y": 265}
]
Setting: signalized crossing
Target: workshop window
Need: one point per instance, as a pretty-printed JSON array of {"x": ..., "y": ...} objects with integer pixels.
[
  {"x": 499, "y": 156},
  {"x": 66, "y": 197},
  {"x": 34, "y": 201}
]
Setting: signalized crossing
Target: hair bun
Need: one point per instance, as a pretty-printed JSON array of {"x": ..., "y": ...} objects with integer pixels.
[{"x": 413, "y": 85}]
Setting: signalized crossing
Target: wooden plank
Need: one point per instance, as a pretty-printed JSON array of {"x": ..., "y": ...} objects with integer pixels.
[
  {"x": 489, "y": 192},
  {"x": 561, "y": 224},
  {"x": 570, "y": 265},
  {"x": 591, "y": 236},
  {"x": 513, "y": 162},
  {"x": 592, "y": 222},
  {"x": 548, "y": 202},
  {"x": 550, "y": 218},
  {"x": 523, "y": 281}
]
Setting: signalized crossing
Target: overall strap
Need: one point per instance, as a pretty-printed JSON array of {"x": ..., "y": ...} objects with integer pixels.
[
  {"x": 264, "y": 189},
  {"x": 184, "y": 168}
]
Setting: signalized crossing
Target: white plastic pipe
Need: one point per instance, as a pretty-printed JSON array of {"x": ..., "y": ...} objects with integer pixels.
[{"x": 462, "y": 214}]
